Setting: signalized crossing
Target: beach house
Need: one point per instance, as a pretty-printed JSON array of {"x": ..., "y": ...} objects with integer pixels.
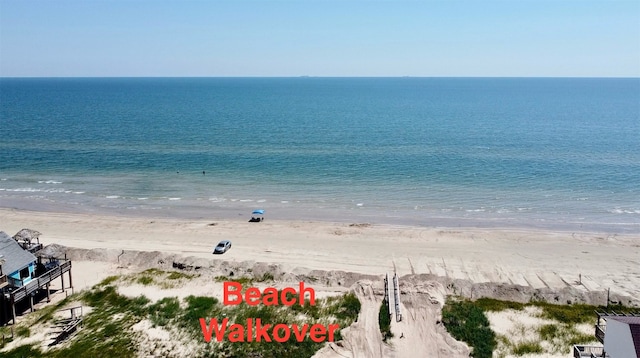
[
  {"x": 18, "y": 265},
  {"x": 25, "y": 278},
  {"x": 619, "y": 334}
]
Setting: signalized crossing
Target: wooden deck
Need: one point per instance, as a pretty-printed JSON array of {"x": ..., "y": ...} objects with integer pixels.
[{"x": 22, "y": 292}]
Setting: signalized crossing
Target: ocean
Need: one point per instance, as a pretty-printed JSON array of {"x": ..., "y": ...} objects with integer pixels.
[{"x": 552, "y": 153}]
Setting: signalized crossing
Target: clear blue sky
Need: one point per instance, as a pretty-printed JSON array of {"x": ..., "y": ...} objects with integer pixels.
[{"x": 320, "y": 38}]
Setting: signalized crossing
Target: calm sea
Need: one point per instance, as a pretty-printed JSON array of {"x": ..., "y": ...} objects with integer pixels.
[{"x": 551, "y": 153}]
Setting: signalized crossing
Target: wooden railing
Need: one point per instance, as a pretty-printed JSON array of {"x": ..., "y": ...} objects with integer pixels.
[
  {"x": 588, "y": 352},
  {"x": 600, "y": 333},
  {"x": 3, "y": 281},
  {"x": 40, "y": 281}
]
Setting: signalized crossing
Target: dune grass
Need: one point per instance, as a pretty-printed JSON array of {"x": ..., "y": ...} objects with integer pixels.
[
  {"x": 460, "y": 316},
  {"x": 466, "y": 321},
  {"x": 107, "y": 329}
]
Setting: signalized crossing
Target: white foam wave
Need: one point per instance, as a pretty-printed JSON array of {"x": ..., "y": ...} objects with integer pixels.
[
  {"x": 25, "y": 190},
  {"x": 112, "y": 196},
  {"x": 174, "y": 199},
  {"x": 623, "y": 211},
  {"x": 49, "y": 182}
]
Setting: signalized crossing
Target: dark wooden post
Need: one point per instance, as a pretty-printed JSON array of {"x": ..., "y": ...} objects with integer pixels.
[
  {"x": 13, "y": 309},
  {"x": 70, "y": 278},
  {"x": 62, "y": 279},
  {"x": 48, "y": 294}
]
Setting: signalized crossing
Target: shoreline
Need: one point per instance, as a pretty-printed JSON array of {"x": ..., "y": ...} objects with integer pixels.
[
  {"x": 240, "y": 210},
  {"x": 539, "y": 259}
]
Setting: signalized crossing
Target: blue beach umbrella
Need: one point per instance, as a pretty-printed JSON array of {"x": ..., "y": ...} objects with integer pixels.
[{"x": 257, "y": 216}]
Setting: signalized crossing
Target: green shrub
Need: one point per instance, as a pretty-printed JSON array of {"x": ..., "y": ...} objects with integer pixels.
[
  {"x": 384, "y": 321},
  {"x": 164, "y": 311},
  {"x": 23, "y": 351},
  {"x": 466, "y": 322},
  {"x": 348, "y": 308},
  {"x": 198, "y": 307},
  {"x": 108, "y": 281},
  {"x": 174, "y": 275},
  {"x": 548, "y": 332},
  {"x": 23, "y": 331},
  {"x": 570, "y": 314},
  {"x": 145, "y": 280},
  {"x": 527, "y": 348}
]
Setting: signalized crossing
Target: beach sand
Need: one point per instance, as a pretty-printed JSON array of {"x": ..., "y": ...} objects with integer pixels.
[
  {"x": 534, "y": 258},
  {"x": 501, "y": 263}
]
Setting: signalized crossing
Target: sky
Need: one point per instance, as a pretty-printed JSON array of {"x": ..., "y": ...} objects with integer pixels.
[{"x": 345, "y": 38}]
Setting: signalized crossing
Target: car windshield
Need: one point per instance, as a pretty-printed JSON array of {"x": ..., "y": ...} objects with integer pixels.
[{"x": 220, "y": 245}]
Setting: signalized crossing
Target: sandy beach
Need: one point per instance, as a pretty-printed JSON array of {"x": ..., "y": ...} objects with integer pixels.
[
  {"x": 432, "y": 263},
  {"x": 588, "y": 262}
]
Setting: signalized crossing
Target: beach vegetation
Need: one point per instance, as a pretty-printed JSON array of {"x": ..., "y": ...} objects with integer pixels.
[
  {"x": 244, "y": 281},
  {"x": 108, "y": 280},
  {"x": 145, "y": 280},
  {"x": 563, "y": 335},
  {"x": 23, "y": 331},
  {"x": 565, "y": 325},
  {"x": 23, "y": 351},
  {"x": 466, "y": 321},
  {"x": 175, "y": 275},
  {"x": 151, "y": 277},
  {"x": 548, "y": 332},
  {"x": 6, "y": 335},
  {"x": 267, "y": 276},
  {"x": 108, "y": 328},
  {"x": 384, "y": 321},
  {"x": 46, "y": 313},
  {"x": 527, "y": 348},
  {"x": 164, "y": 310}
]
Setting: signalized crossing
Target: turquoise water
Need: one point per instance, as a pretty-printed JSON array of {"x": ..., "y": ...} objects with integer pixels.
[{"x": 553, "y": 153}]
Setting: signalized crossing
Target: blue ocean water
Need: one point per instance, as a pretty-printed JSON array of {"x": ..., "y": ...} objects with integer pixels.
[{"x": 530, "y": 152}]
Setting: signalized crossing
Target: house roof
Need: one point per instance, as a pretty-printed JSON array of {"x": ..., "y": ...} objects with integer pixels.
[
  {"x": 634, "y": 327},
  {"x": 16, "y": 258},
  {"x": 630, "y": 320}
]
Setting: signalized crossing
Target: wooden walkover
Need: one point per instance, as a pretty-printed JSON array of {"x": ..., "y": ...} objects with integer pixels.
[
  {"x": 68, "y": 326},
  {"x": 392, "y": 297}
]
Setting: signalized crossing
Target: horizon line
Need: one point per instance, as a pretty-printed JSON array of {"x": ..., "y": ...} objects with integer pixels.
[{"x": 310, "y": 76}]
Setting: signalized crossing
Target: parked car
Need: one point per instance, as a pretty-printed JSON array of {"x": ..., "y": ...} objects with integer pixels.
[{"x": 223, "y": 246}]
